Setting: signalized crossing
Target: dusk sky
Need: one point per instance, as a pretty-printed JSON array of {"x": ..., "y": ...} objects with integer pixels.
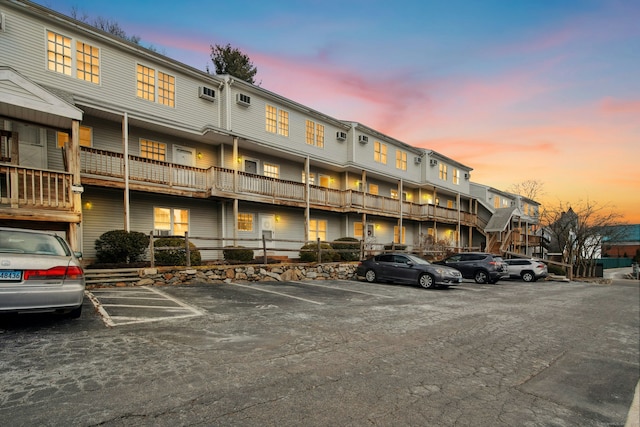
[{"x": 545, "y": 90}]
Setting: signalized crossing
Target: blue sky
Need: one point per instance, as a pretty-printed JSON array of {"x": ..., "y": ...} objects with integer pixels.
[{"x": 516, "y": 89}]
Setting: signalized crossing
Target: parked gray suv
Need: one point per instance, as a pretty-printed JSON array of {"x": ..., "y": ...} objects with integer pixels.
[{"x": 479, "y": 266}]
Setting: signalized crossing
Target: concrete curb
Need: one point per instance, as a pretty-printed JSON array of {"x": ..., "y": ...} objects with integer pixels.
[{"x": 633, "y": 418}]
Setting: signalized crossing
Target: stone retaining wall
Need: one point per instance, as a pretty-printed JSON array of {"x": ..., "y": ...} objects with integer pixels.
[{"x": 162, "y": 276}]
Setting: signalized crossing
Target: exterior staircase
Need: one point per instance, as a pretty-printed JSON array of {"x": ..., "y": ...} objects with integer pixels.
[{"x": 111, "y": 276}]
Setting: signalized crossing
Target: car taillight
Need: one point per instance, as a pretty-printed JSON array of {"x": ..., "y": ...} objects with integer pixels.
[{"x": 72, "y": 272}]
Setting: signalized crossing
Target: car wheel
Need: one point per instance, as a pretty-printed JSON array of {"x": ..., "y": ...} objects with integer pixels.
[
  {"x": 426, "y": 281},
  {"x": 481, "y": 277},
  {"x": 370, "y": 276},
  {"x": 528, "y": 276},
  {"x": 75, "y": 313}
]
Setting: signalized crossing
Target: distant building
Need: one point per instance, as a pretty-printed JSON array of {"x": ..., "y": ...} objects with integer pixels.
[{"x": 622, "y": 241}]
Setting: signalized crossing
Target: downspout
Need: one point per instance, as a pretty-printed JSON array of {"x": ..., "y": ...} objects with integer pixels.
[
  {"x": 307, "y": 199},
  {"x": 400, "y": 195},
  {"x": 125, "y": 141},
  {"x": 459, "y": 219}
]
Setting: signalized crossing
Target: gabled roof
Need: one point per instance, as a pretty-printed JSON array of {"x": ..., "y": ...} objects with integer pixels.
[
  {"x": 25, "y": 100},
  {"x": 499, "y": 220}
]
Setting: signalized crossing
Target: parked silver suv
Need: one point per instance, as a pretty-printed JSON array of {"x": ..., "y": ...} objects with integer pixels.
[
  {"x": 479, "y": 266},
  {"x": 529, "y": 270}
]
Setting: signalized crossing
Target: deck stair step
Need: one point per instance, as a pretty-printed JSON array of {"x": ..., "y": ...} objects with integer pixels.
[{"x": 111, "y": 275}]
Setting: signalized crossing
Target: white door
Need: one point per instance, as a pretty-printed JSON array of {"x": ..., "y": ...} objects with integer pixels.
[
  {"x": 185, "y": 156},
  {"x": 267, "y": 226},
  {"x": 32, "y": 149}
]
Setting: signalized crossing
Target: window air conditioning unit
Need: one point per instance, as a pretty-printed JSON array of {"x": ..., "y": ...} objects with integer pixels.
[
  {"x": 417, "y": 159},
  {"x": 207, "y": 93},
  {"x": 433, "y": 162},
  {"x": 363, "y": 139},
  {"x": 341, "y": 136},
  {"x": 242, "y": 99},
  {"x": 162, "y": 232},
  {"x": 467, "y": 175}
]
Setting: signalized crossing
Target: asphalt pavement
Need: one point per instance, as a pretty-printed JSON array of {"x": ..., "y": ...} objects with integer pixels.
[{"x": 321, "y": 353}]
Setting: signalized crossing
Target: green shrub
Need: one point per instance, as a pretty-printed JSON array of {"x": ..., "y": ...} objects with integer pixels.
[
  {"x": 309, "y": 253},
  {"x": 557, "y": 270},
  {"x": 238, "y": 253},
  {"x": 347, "y": 251},
  {"x": 120, "y": 246},
  {"x": 177, "y": 256}
]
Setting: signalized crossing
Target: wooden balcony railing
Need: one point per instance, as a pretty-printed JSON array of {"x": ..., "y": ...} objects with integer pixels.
[
  {"x": 217, "y": 181},
  {"x": 35, "y": 188}
]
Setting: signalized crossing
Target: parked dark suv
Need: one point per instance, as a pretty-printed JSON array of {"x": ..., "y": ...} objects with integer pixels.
[{"x": 479, "y": 266}]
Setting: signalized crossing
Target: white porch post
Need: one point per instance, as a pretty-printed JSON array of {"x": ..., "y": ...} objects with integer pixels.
[{"x": 125, "y": 151}]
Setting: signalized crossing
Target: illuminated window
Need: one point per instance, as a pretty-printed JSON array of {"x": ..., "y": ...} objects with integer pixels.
[
  {"x": 396, "y": 237},
  {"x": 166, "y": 89},
  {"x": 315, "y": 134},
  {"x": 450, "y": 204},
  {"x": 283, "y": 123},
  {"x": 85, "y": 137},
  {"x": 324, "y": 181},
  {"x": 245, "y": 222},
  {"x": 496, "y": 202},
  {"x": 455, "y": 175},
  {"x": 312, "y": 178},
  {"x": 380, "y": 152},
  {"x": 272, "y": 120},
  {"x": 153, "y": 150},
  {"x": 59, "y": 53},
  {"x": 88, "y": 62},
  {"x": 146, "y": 85},
  {"x": 442, "y": 169},
  {"x": 270, "y": 170},
  {"x": 401, "y": 160},
  {"x": 373, "y": 189},
  {"x": 171, "y": 221},
  {"x": 317, "y": 229},
  {"x": 357, "y": 229},
  {"x": 394, "y": 194}
]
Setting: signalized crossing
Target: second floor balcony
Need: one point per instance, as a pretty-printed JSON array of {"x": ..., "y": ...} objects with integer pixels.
[{"x": 107, "y": 168}]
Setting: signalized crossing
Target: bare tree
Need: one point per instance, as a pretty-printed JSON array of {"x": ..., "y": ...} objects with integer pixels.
[
  {"x": 105, "y": 24},
  {"x": 578, "y": 232},
  {"x": 530, "y": 188}
]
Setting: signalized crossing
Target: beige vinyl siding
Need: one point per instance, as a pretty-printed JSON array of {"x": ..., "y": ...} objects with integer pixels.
[
  {"x": 98, "y": 208},
  {"x": 25, "y": 42}
]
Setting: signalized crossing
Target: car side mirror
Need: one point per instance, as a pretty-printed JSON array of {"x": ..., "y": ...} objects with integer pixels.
[{"x": 77, "y": 254}]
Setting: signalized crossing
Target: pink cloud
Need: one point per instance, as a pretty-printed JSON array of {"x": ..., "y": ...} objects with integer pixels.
[{"x": 611, "y": 105}]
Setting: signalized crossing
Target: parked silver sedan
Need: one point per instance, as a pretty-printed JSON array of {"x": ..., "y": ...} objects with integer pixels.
[
  {"x": 407, "y": 268},
  {"x": 39, "y": 273}
]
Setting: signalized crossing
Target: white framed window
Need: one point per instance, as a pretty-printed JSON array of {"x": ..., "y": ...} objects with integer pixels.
[
  {"x": 315, "y": 134},
  {"x": 396, "y": 236},
  {"x": 153, "y": 150},
  {"x": 358, "y": 229},
  {"x": 380, "y": 152},
  {"x": 312, "y": 178},
  {"x": 271, "y": 170},
  {"x": 373, "y": 189},
  {"x": 170, "y": 221},
  {"x": 442, "y": 171},
  {"x": 155, "y": 86},
  {"x": 318, "y": 229},
  {"x": 401, "y": 160},
  {"x": 245, "y": 221},
  {"x": 86, "y": 137},
  {"x": 455, "y": 175},
  {"x": 277, "y": 121},
  {"x": 62, "y": 58}
]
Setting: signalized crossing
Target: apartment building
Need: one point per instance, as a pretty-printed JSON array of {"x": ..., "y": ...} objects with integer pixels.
[{"x": 100, "y": 134}]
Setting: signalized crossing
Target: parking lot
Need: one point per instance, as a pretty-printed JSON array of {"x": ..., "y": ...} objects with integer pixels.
[{"x": 328, "y": 353}]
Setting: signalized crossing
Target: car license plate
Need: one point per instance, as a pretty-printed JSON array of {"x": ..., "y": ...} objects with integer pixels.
[{"x": 7, "y": 275}]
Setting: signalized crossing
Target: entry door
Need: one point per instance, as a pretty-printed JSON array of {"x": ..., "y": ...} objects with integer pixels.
[
  {"x": 267, "y": 226},
  {"x": 185, "y": 156},
  {"x": 31, "y": 146},
  {"x": 251, "y": 166}
]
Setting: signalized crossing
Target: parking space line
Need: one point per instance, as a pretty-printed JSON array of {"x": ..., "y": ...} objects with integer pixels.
[
  {"x": 278, "y": 293},
  {"x": 111, "y": 321},
  {"x": 343, "y": 289}
]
